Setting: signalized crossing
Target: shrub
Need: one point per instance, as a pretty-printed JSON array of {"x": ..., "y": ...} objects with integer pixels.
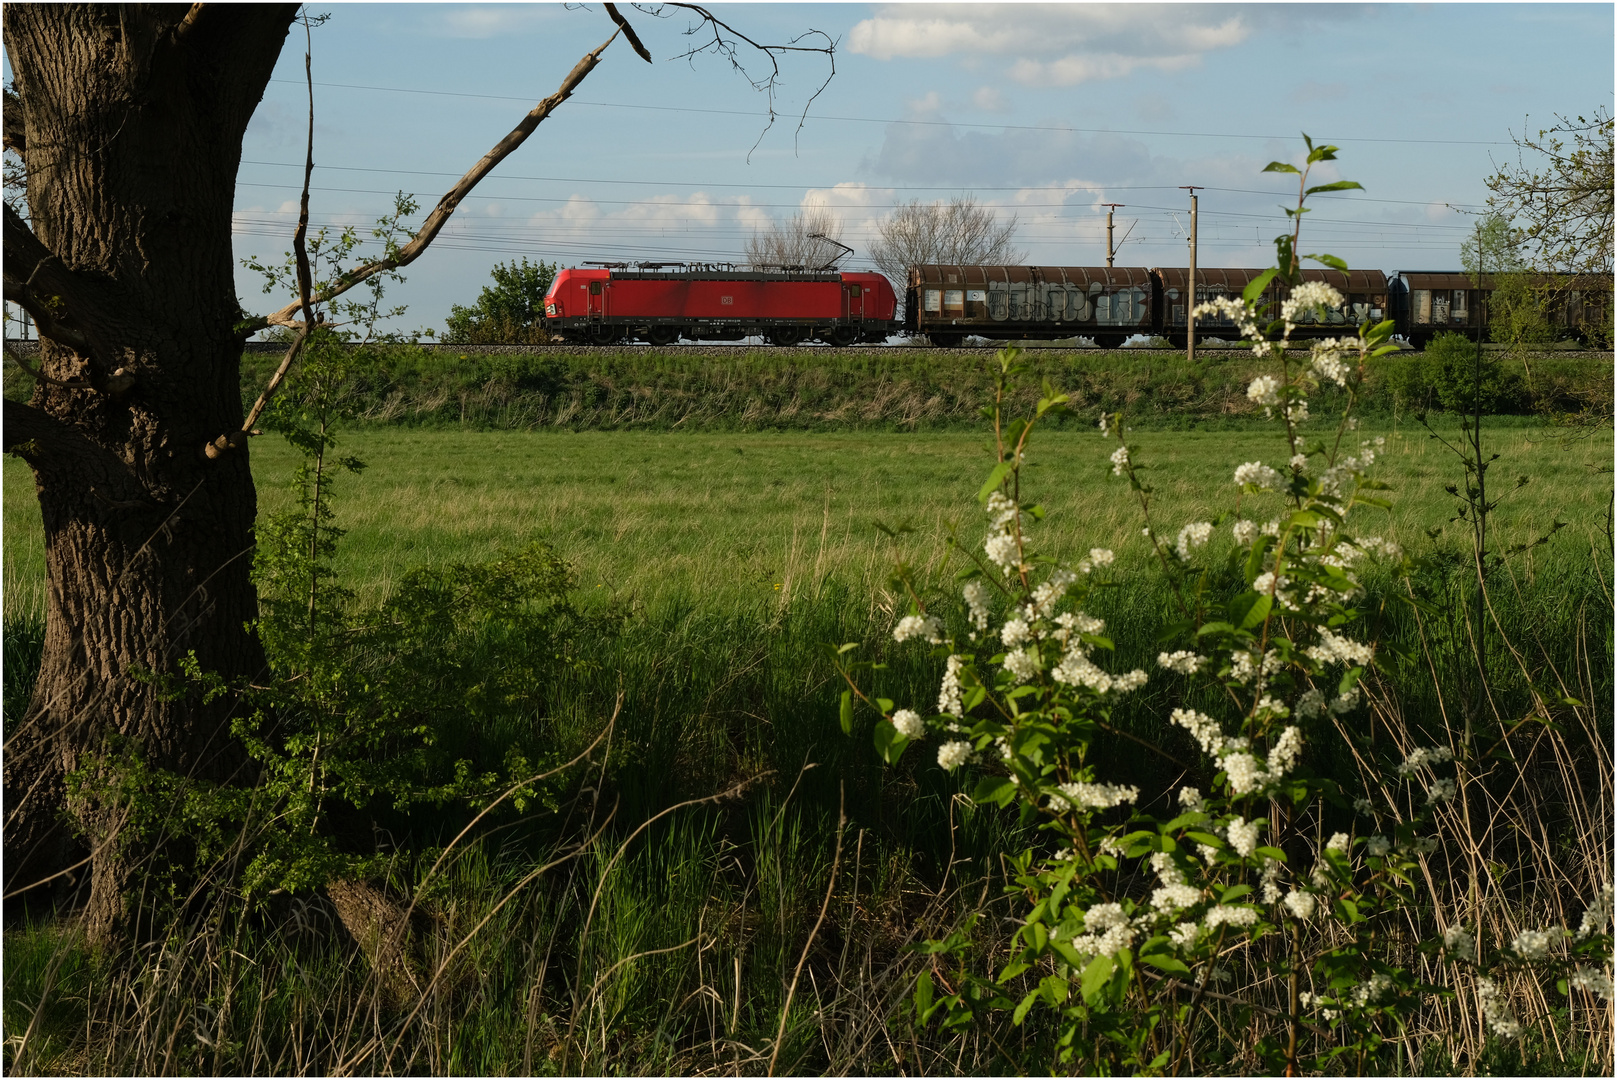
[{"x": 509, "y": 312}]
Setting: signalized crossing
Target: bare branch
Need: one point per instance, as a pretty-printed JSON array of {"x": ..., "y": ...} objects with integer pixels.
[
  {"x": 628, "y": 32},
  {"x": 70, "y": 384},
  {"x": 300, "y": 247},
  {"x": 36, "y": 281},
  {"x": 727, "y": 47},
  {"x": 16, "y": 137},
  {"x": 447, "y": 205},
  {"x": 50, "y": 445}
]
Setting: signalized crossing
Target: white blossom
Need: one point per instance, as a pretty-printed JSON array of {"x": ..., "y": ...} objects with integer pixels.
[
  {"x": 1495, "y": 1011},
  {"x": 1258, "y": 475},
  {"x": 908, "y": 722},
  {"x": 1299, "y": 462},
  {"x": 1001, "y": 550},
  {"x": 1333, "y": 649},
  {"x": 1191, "y": 799},
  {"x": 1130, "y": 680},
  {"x": 1183, "y": 661},
  {"x": 1120, "y": 460},
  {"x": 1363, "y": 806},
  {"x": 1309, "y": 296},
  {"x": 976, "y": 596},
  {"x": 1338, "y": 843},
  {"x": 1286, "y": 751},
  {"x": 912, "y": 626},
  {"x": 1424, "y": 756},
  {"x": 1184, "y": 934},
  {"x": 1327, "y": 361},
  {"x": 1440, "y": 791},
  {"x": 1192, "y": 536},
  {"x": 1458, "y": 941},
  {"x": 1000, "y": 509},
  {"x": 1300, "y": 904},
  {"x": 1108, "y": 930},
  {"x": 1245, "y": 532},
  {"x": 1098, "y": 796},
  {"x": 1229, "y": 914},
  {"x": 1345, "y": 702},
  {"x": 1268, "y": 884},
  {"x": 1202, "y": 727},
  {"x": 1245, "y": 775},
  {"x": 1534, "y": 945},
  {"x": 1265, "y": 391},
  {"x": 1101, "y": 556},
  {"x": 1372, "y": 990},
  {"x": 952, "y": 755},
  {"x": 1377, "y": 846},
  {"x": 1243, "y": 836},
  {"x": 1597, "y": 916},
  {"x": 1583, "y": 978},
  {"x": 949, "y": 692},
  {"x": 1022, "y": 663},
  {"x": 1014, "y": 632}
]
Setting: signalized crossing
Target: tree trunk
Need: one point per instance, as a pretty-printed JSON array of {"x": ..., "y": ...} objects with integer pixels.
[{"x": 132, "y": 123}]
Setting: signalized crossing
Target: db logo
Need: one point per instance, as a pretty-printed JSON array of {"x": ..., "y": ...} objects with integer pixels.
[{"x": 727, "y": 299}]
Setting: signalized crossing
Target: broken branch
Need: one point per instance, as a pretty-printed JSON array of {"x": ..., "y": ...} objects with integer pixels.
[{"x": 452, "y": 199}]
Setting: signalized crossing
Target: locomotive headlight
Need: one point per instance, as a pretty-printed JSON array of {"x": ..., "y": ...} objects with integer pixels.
[{"x": 550, "y": 309}]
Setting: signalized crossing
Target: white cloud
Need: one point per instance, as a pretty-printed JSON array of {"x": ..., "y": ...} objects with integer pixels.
[
  {"x": 1055, "y": 44},
  {"x": 480, "y": 22},
  {"x": 990, "y": 99}
]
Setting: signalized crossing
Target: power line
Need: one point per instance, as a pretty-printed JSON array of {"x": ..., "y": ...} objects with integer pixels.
[
  {"x": 862, "y": 206},
  {"x": 877, "y": 120},
  {"x": 880, "y": 187}
]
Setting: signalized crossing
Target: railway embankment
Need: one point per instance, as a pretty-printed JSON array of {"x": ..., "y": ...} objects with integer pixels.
[{"x": 728, "y": 387}]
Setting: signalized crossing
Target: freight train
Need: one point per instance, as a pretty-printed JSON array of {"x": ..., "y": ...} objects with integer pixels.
[{"x": 662, "y": 303}]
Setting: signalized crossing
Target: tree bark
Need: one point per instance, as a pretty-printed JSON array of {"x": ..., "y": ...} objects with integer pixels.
[{"x": 131, "y": 128}]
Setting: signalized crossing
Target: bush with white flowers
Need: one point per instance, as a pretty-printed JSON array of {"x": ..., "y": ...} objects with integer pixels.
[{"x": 1125, "y": 967}]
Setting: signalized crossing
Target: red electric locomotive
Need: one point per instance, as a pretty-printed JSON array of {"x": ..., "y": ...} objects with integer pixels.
[{"x": 661, "y": 304}]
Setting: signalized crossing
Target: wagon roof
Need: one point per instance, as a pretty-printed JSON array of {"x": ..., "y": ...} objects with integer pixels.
[
  {"x": 1350, "y": 281},
  {"x": 1449, "y": 279},
  {"x": 1082, "y": 276}
]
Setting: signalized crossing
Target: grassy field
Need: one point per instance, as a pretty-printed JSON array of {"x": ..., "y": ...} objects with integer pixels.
[
  {"x": 717, "y": 520},
  {"x": 671, "y": 951}
]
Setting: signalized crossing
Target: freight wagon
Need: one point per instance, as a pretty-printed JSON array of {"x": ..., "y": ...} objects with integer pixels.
[
  {"x": 661, "y": 304},
  {"x": 1108, "y": 304},
  {"x": 1425, "y": 303}
]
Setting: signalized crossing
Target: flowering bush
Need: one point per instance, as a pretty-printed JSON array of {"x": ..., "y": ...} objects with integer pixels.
[{"x": 1130, "y": 919}]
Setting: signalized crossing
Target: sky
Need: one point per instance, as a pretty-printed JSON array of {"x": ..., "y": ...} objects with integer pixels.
[{"x": 1042, "y": 111}]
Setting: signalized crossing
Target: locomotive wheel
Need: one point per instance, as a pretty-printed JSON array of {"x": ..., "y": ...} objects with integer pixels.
[
  {"x": 604, "y": 335},
  {"x": 842, "y": 336},
  {"x": 947, "y": 341},
  {"x": 785, "y": 335},
  {"x": 662, "y": 335}
]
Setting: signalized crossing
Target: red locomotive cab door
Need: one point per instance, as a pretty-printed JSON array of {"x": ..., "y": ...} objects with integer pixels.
[
  {"x": 597, "y": 301},
  {"x": 853, "y": 304}
]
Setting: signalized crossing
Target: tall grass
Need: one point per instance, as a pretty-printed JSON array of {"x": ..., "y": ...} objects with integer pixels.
[{"x": 648, "y": 925}]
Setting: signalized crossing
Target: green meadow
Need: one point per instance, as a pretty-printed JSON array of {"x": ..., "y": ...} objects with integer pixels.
[
  {"x": 714, "y": 520},
  {"x": 642, "y": 923}
]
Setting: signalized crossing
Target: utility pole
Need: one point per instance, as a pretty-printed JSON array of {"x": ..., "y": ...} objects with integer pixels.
[
  {"x": 1110, "y": 207},
  {"x": 1190, "y": 300}
]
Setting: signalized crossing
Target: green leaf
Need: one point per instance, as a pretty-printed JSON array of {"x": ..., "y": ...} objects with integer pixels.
[
  {"x": 1095, "y": 976},
  {"x": 847, "y": 712},
  {"x": 1164, "y": 962},
  {"x": 889, "y": 742},
  {"x": 1255, "y": 287},
  {"x": 1258, "y": 611},
  {"x": 994, "y": 789},
  {"x": 923, "y": 995},
  {"x": 1281, "y": 166},
  {"x": 995, "y": 478},
  {"x": 1234, "y": 893},
  {"x": 1022, "y": 1010},
  {"x": 885, "y": 705},
  {"x": 1339, "y": 185}
]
